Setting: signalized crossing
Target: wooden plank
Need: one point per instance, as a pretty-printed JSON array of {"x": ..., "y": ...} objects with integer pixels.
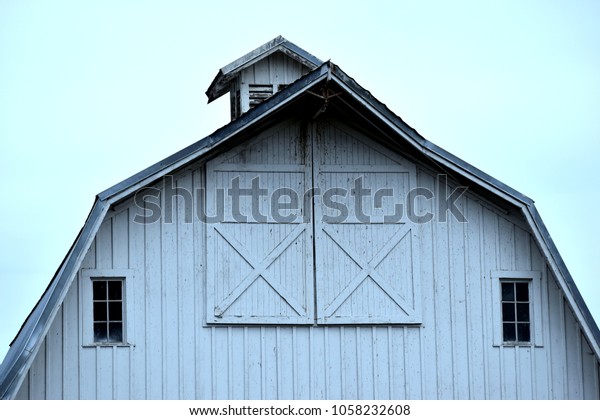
[
  {"x": 261, "y": 72},
  {"x": 121, "y": 248},
  {"x": 556, "y": 339},
  {"x": 105, "y": 379},
  {"x": 120, "y": 236},
  {"x": 154, "y": 339},
  {"x": 506, "y": 242},
  {"x": 525, "y": 377},
  {"x": 428, "y": 286},
  {"x": 381, "y": 363},
  {"x": 523, "y": 250},
  {"x": 54, "y": 358},
  {"x": 220, "y": 362},
  {"x": 285, "y": 363},
  {"x": 269, "y": 363},
  {"x": 474, "y": 301},
  {"x": 542, "y": 363},
  {"x": 236, "y": 363},
  {"x": 88, "y": 374},
  {"x": 137, "y": 323},
  {"x": 349, "y": 363},
  {"x": 104, "y": 254},
  {"x": 508, "y": 362},
  {"x": 443, "y": 311},
  {"x": 333, "y": 363},
  {"x": 186, "y": 290},
  {"x": 398, "y": 372},
  {"x": 122, "y": 373},
  {"x": 170, "y": 298},
  {"x": 71, "y": 343},
  {"x": 253, "y": 363},
  {"x": 458, "y": 299},
  {"x": 204, "y": 370},
  {"x": 201, "y": 372},
  {"x": 366, "y": 368},
  {"x": 414, "y": 377},
  {"x": 258, "y": 168},
  {"x": 490, "y": 258},
  {"x": 573, "y": 359}
]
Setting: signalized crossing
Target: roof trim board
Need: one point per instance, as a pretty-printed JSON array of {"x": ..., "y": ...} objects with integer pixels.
[{"x": 30, "y": 337}]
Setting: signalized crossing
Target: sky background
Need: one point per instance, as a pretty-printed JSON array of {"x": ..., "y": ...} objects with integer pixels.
[{"x": 93, "y": 92}]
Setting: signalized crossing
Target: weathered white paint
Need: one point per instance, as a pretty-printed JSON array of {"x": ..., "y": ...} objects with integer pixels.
[
  {"x": 175, "y": 353},
  {"x": 271, "y": 74}
]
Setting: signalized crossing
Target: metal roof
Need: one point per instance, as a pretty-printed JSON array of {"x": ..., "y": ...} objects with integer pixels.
[{"x": 33, "y": 331}]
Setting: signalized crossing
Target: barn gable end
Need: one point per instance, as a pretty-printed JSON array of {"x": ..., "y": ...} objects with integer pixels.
[{"x": 301, "y": 302}]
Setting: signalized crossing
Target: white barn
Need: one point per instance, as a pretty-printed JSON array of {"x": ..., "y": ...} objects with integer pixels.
[{"x": 316, "y": 247}]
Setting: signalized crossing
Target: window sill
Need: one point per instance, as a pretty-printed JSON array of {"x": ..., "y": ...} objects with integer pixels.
[
  {"x": 92, "y": 345},
  {"x": 510, "y": 345}
]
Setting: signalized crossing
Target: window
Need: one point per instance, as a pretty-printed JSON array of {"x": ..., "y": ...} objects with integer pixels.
[
  {"x": 517, "y": 308},
  {"x": 104, "y": 295},
  {"x": 108, "y": 310},
  {"x": 515, "y": 312}
]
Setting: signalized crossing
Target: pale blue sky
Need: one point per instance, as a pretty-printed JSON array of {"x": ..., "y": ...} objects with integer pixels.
[{"x": 92, "y": 92}]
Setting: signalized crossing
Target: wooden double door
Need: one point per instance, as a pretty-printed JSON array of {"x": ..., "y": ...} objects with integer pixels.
[{"x": 308, "y": 225}]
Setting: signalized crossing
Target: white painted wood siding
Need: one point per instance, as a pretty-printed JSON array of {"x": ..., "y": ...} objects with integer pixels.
[
  {"x": 277, "y": 70},
  {"x": 175, "y": 354}
]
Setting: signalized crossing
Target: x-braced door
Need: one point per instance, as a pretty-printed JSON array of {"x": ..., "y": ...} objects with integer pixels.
[
  {"x": 365, "y": 247},
  {"x": 260, "y": 248}
]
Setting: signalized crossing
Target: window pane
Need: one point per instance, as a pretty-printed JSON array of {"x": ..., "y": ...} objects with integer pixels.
[
  {"x": 100, "y": 332},
  {"x": 508, "y": 312},
  {"x": 522, "y": 292},
  {"x": 115, "y": 334},
  {"x": 114, "y": 290},
  {"x": 509, "y": 331},
  {"x": 115, "y": 311},
  {"x": 100, "y": 311},
  {"x": 99, "y": 290},
  {"x": 508, "y": 291},
  {"x": 523, "y": 331},
  {"x": 523, "y": 312}
]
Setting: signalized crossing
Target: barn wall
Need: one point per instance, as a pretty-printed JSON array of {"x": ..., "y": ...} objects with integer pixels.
[{"x": 174, "y": 355}]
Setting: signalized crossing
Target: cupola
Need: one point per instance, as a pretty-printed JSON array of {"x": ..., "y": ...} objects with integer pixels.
[{"x": 260, "y": 74}]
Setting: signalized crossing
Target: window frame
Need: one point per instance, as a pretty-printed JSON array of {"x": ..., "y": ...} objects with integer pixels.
[
  {"x": 533, "y": 280},
  {"x": 514, "y": 304},
  {"x": 87, "y": 277}
]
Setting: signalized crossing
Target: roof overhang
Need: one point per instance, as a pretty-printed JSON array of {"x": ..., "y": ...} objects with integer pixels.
[{"x": 221, "y": 83}]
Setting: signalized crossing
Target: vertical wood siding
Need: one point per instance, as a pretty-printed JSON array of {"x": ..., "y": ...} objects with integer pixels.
[{"x": 174, "y": 354}]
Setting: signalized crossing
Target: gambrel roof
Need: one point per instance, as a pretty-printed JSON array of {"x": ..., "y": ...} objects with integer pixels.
[{"x": 325, "y": 89}]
